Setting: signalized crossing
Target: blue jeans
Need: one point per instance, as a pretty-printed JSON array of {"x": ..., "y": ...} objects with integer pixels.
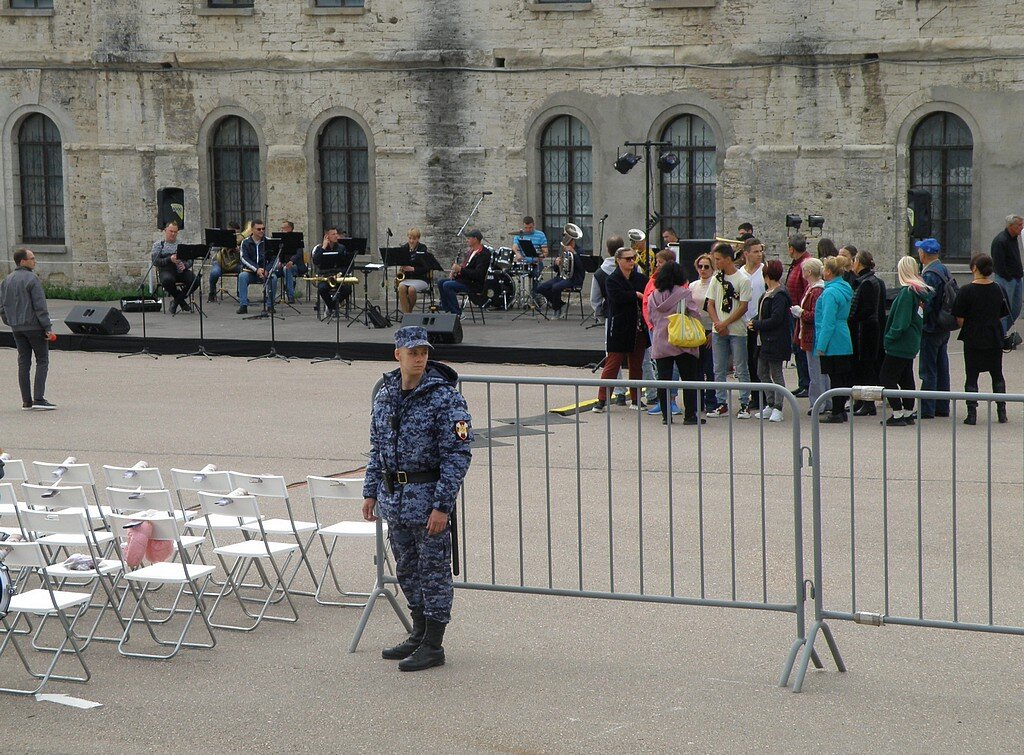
[
  {"x": 725, "y": 348},
  {"x": 289, "y": 280},
  {"x": 803, "y": 375},
  {"x": 450, "y": 289},
  {"x": 818, "y": 383},
  {"x": 247, "y": 276},
  {"x": 933, "y": 369},
  {"x": 1014, "y": 290},
  {"x": 552, "y": 291}
]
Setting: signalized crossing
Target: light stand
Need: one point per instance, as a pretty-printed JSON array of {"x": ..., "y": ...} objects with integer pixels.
[
  {"x": 185, "y": 252},
  {"x": 647, "y": 145},
  {"x": 144, "y": 351}
]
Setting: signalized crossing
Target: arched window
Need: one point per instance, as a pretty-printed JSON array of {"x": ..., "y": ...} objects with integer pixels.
[
  {"x": 235, "y": 161},
  {"x": 688, "y": 192},
  {"x": 41, "y": 181},
  {"x": 941, "y": 162},
  {"x": 566, "y": 180},
  {"x": 344, "y": 177}
]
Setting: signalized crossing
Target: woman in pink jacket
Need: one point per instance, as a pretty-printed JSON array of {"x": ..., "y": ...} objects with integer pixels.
[{"x": 672, "y": 295}]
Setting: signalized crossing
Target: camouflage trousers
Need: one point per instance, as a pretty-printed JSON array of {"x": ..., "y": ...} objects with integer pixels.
[{"x": 423, "y": 565}]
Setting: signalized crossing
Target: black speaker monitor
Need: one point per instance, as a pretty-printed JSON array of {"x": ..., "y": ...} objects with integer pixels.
[
  {"x": 170, "y": 207},
  {"x": 441, "y": 327},
  {"x": 919, "y": 213},
  {"x": 97, "y": 321}
]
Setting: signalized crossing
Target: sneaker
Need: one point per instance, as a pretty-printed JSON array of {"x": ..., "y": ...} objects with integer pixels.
[
  {"x": 676, "y": 411},
  {"x": 242, "y": 310},
  {"x": 765, "y": 413},
  {"x": 895, "y": 421},
  {"x": 465, "y": 317},
  {"x": 25, "y": 406},
  {"x": 800, "y": 393},
  {"x": 212, "y": 298},
  {"x": 655, "y": 410},
  {"x": 721, "y": 411},
  {"x": 776, "y": 416},
  {"x": 600, "y": 407},
  {"x": 556, "y": 314},
  {"x": 620, "y": 400},
  {"x": 744, "y": 412},
  {"x": 43, "y": 405},
  {"x": 636, "y": 407}
]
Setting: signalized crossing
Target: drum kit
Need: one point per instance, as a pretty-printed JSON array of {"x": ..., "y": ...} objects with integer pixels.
[{"x": 510, "y": 283}]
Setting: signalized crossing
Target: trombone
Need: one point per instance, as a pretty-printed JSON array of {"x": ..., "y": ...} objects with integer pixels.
[{"x": 735, "y": 243}]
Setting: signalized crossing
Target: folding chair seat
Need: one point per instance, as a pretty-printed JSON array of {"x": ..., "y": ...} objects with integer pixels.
[
  {"x": 340, "y": 489},
  {"x": 39, "y": 526},
  {"x": 69, "y": 499},
  {"x": 125, "y": 501},
  {"x": 9, "y": 503},
  {"x": 43, "y": 601},
  {"x": 244, "y": 555},
  {"x": 191, "y": 577},
  {"x": 303, "y": 532}
]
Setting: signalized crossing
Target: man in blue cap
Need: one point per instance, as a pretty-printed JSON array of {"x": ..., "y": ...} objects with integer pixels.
[
  {"x": 420, "y": 435},
  {"x": 933, "y": 361}
]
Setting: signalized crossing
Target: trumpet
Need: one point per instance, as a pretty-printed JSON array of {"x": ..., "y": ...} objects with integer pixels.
[
  {"x": 735, "y": 243},
  {"x": 337, "y": 279}
]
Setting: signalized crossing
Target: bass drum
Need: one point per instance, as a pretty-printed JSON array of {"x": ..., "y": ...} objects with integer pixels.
[{"x": 500, "y": 292}]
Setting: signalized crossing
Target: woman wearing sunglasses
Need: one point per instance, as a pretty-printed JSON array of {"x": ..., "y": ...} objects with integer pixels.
[
  {"x": 625, "y": 331},
  {"x": 705, "y": 362}
]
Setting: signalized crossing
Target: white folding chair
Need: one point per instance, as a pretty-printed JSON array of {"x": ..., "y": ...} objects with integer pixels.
[
  {"x": 37, "y": 526},
  {"x": 14, "y": 471},
  {"x": 350, "y": 490},
  {"x": 9, "y": 505},
  {"x": 145, "y": 477},
  {"x": 68, "y": 473},
  {"x": 245, "y": 554},
  {"x": 42, "y": 601},
  {"x": 69, "y": 498},
  {"x": 178, "y": 571},
  {"x": 275, "y": 488}
]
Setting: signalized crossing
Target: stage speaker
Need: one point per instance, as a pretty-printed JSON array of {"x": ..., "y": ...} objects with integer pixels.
[
  {"x": 97, "y": 321},
  {"x": 441, "y": 326},
  {"x": 170, "y": 207},
  {"x": 919, "y": 213},
  {"x": 689, "y": 251}
]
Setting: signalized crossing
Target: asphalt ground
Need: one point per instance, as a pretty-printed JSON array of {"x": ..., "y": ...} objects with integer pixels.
[{"x": 529, "y": 673}]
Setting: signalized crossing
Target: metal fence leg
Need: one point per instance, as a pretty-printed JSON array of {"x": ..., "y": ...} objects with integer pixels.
[{"x": 379, "y": 588}]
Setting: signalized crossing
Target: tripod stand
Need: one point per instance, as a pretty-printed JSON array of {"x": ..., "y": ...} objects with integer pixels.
[
  {"x": 531, "y": 306},
  {"x": 365, "y": 309},
  {"x": 337, "y": 342},
  {"x": 184, "y": 252},
  {"x": 144, "y": 351},
  {"x": 268, "y": 282}
]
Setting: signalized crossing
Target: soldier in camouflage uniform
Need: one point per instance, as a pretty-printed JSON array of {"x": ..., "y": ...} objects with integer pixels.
[{"x": 420, "y": 432}]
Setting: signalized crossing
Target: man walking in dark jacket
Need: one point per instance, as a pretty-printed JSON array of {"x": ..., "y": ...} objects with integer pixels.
[
  {"x": 933, "y": 361},
  {"x": 23, "y": 308},
  {"x": 1008, "y": 270}
]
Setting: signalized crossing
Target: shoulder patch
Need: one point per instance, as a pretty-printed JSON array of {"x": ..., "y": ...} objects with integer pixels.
[{"x": 462, "y": 430}]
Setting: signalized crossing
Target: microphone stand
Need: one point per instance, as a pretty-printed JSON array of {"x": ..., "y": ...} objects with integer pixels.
[
  {"x": 600, "y": 244},
  {"x": 144, "y": 351},
  {"x": 337, "y": 340},
  {"x": 475, "y": 208},
  {"x": 384, "y": 259},
  {"x": 201, "y": 351}
]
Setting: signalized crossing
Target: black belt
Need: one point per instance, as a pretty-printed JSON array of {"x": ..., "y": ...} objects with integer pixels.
[{"x": 405, "y": 478}]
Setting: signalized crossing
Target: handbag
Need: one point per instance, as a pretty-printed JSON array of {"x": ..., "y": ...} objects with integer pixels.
[{"x": 686, "y": 331}]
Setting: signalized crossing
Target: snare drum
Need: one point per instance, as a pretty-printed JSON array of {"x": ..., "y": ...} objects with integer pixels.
[{"x": 502, "y": 259}]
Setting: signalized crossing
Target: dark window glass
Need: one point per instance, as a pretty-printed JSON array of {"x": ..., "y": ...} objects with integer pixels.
[
  {"x": 688, "y": 192},
  {"x": 229, "y": 3},
  {"x": 941, "y": 161},
  {"x": 566, "y": 181},
  {"x": 41, "y": 181},
  {"x": 32, "y": 4},
  {"x": 344, "y": 177},
  {"x": 235, "y": 161},
  {"x": 339, "y": 3}
]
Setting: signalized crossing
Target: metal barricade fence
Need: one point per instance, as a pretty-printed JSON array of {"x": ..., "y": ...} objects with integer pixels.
[
  {"x": 933, "y": 539},
  {"x": 619, "y": 506}
]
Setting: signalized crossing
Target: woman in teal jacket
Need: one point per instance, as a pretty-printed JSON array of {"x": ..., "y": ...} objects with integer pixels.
[
  {"x": 903, "y": 339},
  {"x": 832, "y": 342}
]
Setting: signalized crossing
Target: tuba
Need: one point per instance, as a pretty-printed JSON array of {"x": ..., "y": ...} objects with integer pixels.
[
  {"x": 637, "y": 238},
  {"x": 571, "y": 232}
]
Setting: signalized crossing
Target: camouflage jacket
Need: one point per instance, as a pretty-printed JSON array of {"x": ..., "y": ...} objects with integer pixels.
[{"x": 428, "y": 430}]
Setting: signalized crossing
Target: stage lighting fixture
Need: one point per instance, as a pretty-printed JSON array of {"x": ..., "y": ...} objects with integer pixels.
[
  {"x": 794, "y": 221},
  {"x": 668, "y": 163},
  {"x": 625, "y": 163},
  {"x": 816, "y": 221}
]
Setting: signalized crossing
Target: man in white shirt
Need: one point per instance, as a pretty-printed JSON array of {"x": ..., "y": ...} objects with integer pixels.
[
  {"x": 753, "y": 268},
  {"x": 728, "y": 300}
]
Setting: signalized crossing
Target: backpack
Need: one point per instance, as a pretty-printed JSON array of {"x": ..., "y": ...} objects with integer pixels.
[{"x": 944, "y": 319}]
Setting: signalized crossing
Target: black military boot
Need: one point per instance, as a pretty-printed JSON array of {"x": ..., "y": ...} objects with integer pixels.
[
  {"x": 429, "y": 653},
  {"x": 972, "y": 415},
  {"x": 408, "y": 647}
]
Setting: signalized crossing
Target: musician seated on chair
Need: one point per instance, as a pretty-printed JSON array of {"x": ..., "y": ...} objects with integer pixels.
[
  {"x": 540, "y": 246},
  {"x": 254, "y": 268},
  {"x": 176, "y": 275},
  {"x": 291, "y": 266},
  {"x": 417, "y": 275},
  {"x": 226, "y": 260},
  {"x": 470, "y": 277},
  {"x": 331, "y": 257},
  {"x": 569, "y": 273}
]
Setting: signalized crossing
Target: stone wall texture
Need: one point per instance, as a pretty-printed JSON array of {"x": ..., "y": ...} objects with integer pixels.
[{"x": 812, "y": 104}]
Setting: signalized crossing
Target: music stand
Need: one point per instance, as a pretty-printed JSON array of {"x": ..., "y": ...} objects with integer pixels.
[
  {"x": 190, "y": 253},
  {"x": 395, "y": 256},
  {"x": 273, "y": 247},
  {"x": 331, "y": 263},
  {"x": 144, "y": 351},
  {"x": 591, "y": 263},
  {"x": 366, "y": 269},
  {"x": 291, "y": 243}
]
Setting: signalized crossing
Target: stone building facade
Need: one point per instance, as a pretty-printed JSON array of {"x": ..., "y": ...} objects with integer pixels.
[{"x": 790, "y": 107}]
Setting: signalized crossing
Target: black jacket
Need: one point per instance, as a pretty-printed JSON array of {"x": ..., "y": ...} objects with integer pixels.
[
  {"x": 623, "y": 310},
  {"x": 867, "y": 316},
  {"x": 474, "y": 275},
  {"x": 420, "y": 264},
  {"x": 774, "y": 325},
  {"x": 1006, "y": 256}
]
